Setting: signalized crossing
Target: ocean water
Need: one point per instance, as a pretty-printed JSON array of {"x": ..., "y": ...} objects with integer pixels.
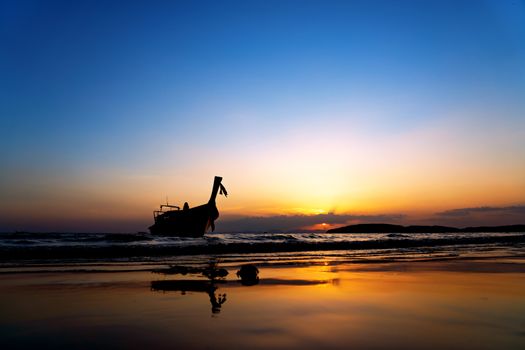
[
  {"x": 94, "y": 240},
  {"x": 27, "y": 248}
]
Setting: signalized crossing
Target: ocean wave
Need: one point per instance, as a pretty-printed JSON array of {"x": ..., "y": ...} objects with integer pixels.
[
  {"x": 201, "y": 246},
  {"x": 397, "y": 235}
]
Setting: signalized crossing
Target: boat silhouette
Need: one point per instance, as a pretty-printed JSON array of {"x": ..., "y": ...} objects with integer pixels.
[{"x": 170, "y": 220}]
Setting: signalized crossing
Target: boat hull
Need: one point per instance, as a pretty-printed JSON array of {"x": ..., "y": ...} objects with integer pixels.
[{"x": 194, "y": 222}]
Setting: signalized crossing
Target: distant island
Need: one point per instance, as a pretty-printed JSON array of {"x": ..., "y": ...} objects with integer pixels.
[{"x": 389, "y": 228}]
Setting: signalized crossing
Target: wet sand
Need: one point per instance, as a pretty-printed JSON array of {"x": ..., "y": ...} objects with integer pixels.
[{"x": 318, "y": 301}]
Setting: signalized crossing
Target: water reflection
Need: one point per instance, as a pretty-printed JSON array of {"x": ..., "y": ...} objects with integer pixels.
[
  {"x": 248, "y": 276},
  {"x": 424, "y": 305},
  {"x": 216, "y": 303},
  {"x": 212, "y": 272},
  {"x": 183, "y": 286}
]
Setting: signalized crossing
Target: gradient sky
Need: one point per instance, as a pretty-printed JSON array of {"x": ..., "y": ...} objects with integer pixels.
[{"x": 356, "y": 110}]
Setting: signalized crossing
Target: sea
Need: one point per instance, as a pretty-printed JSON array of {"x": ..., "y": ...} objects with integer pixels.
[{"x": 21, "y": 248}]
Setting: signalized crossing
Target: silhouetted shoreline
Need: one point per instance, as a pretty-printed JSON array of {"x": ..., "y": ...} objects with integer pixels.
[{"x": 389, "y": 228}]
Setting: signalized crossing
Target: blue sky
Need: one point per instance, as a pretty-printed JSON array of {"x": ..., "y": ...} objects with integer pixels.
[{"x": 174, "y": 92}]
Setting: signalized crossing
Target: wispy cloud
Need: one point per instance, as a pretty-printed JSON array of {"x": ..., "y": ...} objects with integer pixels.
[
  {"x": 462, "y": 212},
  {"x": 480, "y": 216},
  {"x": 284, "y": 223}
]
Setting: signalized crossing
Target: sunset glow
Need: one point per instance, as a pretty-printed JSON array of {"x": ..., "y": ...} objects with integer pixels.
[{"x": 335, "y": 107}]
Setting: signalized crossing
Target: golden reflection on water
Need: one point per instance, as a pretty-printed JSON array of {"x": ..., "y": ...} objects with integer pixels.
[{"x": 342, "y": 306}]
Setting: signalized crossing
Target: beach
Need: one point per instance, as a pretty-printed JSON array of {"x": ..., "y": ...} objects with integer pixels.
[{"x": 450, "y": 296}]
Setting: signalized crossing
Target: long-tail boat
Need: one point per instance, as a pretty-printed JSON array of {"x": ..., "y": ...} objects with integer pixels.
[{"x": 170, "y": 220}]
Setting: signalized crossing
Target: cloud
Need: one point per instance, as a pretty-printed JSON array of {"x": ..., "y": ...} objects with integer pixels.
[
  {"x": 480, "y": 216},
  {"x": 462, "y": 212},
  {"x": 287, "y": 223}
]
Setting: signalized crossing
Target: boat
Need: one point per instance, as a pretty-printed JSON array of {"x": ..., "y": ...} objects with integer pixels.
[{"x": 171, "y": 220}]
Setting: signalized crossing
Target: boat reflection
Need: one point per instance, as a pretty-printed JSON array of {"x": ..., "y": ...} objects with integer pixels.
[
  {"x": 248, "y": 275},
  {"x": 209, "y": 287},
  {"x": 212, "y": 272}
]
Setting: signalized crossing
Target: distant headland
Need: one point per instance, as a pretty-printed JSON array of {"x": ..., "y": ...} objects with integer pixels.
[{"x": 389, "y": 228}]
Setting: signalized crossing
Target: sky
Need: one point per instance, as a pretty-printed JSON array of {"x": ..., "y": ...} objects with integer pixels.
[{"x": 315, "y": 113}]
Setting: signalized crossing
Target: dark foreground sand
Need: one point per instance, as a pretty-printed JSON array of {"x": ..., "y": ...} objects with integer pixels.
[{"x": 422, "y": 300}]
